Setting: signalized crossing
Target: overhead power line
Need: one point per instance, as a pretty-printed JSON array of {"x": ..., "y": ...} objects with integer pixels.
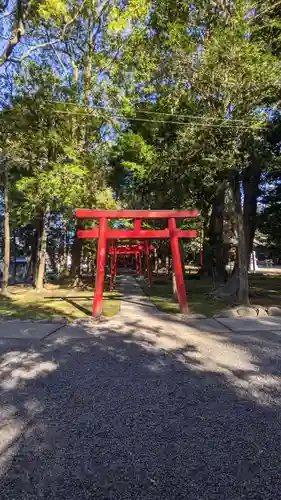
[
  {"x": 175, "y": 115},
  {"x": 167, "y": 122},
  {"x": 193, "y": 119}
]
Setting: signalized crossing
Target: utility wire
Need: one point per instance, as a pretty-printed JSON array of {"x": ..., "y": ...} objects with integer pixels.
[
  {"x": 176, "y": 115},
  {"x": 167, "y": 122},
  {"x": 192, "y": 123}
]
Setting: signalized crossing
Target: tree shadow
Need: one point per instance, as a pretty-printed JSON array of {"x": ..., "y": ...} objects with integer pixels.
[
  {"x": 45, "y": 308},
  {"x": 74, "y": 301},
  {"x": 11, "y": 309},
  {"x": 117, "y": 416}
]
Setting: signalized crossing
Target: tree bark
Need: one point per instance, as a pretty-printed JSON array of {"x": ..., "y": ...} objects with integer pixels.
[
  {"x": 251, "y": 180},
  {"x": 216, "y": 265},
  {"x": 27, "y": 269},
  {"x": 155, "y": 256},
  {"x": 242, "y": 258},
  {"x": 18, "y": 30},
  {"x": 14, "y": 258},
  {"x": 53, "y": 260},
  {"x": 42, "y": 252},
  {"x": 167, "y": 265},
  {"x": 66, "y": 251},
  {"x": 87, "y": 77},
  {"x": 34, "y": 252},
  {"x": 237, "y": 286},
  {"x": 76, "y": 253},
  {"x": 6, "y": 261},
  {"x": 37, "y": 246}
]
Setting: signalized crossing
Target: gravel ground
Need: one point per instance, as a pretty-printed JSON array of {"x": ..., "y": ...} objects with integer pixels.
[
  {"x": 117, "y": 417},
  {"x": 113, "y": 419}
]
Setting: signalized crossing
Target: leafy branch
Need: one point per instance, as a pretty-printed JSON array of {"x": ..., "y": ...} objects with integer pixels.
[{"x": 19, "y": 31}]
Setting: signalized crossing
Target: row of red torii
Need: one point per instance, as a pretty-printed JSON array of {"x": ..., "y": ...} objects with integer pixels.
[
  {"x": 137, "y": 250},
  {"x": 106, "y": 234}
]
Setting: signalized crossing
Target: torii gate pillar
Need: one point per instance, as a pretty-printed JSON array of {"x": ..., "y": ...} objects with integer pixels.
[
  {"x": 177, "y": 266},
  {"x": 101, "y": 260}
]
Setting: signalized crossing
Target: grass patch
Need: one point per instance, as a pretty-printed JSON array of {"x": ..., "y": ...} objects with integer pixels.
[
  {"x": 198, "y": 291},
  {"x": 70, "y": 304},
  {"x": 265, "y": 290}
]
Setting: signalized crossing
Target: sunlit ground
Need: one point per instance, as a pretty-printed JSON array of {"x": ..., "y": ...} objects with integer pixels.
[
  {"x": 70, "y": 304},
  {"x": 265, "y": 290}
]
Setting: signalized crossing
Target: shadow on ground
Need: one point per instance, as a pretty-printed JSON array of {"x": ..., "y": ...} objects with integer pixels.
[
  {"x": 117, "y": 417},
  {"x": 69, "y": 307}
]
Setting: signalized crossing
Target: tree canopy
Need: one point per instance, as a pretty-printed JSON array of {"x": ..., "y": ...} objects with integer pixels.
[{"x": 142, "y": 104}]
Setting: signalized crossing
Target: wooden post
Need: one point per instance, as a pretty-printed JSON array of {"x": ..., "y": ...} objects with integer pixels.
[
  {"x": 137, "y": 224},
  {"x": 202, "y": 247},
  {"x": 137, "y": 263},
  {"x": 181, "y": 292},
  {"x": 146, "y": 243},
  {"x": 101, "y": 257},
  {"x": 115, "y": 267},
  {"x": 112, "y": 249},
  {"x": 140, "y": 263},
  {"x": 111, "y": 272}
]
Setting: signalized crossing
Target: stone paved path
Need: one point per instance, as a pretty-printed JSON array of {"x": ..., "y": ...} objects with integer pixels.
[{"x": 141, "y": 407}]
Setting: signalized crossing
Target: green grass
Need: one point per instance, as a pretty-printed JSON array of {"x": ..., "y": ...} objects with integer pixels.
[
  {"x": 198, "y": 291},
  {"x": 265, "y": 290},
  {"x": 70, "y": 304},
  {"x": 61, "y": 302}
]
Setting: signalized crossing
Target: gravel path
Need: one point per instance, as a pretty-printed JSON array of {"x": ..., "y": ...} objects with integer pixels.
[{"x": 141, "y": 412}]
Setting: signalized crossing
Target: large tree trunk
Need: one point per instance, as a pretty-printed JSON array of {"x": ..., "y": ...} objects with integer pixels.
[
  {"x": 66, "y": 251},
  {"x": 14, "y": 259},
  {"x": 76, "y": 254},
  {"x": 53, "y": 260},
  {"x": 32, "y": 268},
  {"x": 18, "y": 28},
  {"x": 77, "y": 245},
  {"x": 6, "y": 262},
  {"x": 251, "y": 180},
  {"x": 155, "y": 261},
  {"x": 242, "y": 258},
  {"x": 237, "y": 286},
  {"x": 27, "y": 269},
  {"x": 216, "y": 265},
  {"x": 167, "y": 265},
  {"x": 37, "y": 247},
  {"x": 42, "y": 252}
]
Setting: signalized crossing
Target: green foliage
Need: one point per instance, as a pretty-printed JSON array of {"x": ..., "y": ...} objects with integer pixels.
[
  {"x": 105, "y": 199},
  {"x": 152, "y": 103},
  {"x": 213, "y": 84},
  {"x": 56, "y": 10},
  {"x": 60, "y": 185},
  {"x": 122, "y": 19}
]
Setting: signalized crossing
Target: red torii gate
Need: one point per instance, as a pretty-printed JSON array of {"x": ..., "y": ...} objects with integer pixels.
[
  {"x": 137, "y": 250},
  {"x": 105, "y": 233}
]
